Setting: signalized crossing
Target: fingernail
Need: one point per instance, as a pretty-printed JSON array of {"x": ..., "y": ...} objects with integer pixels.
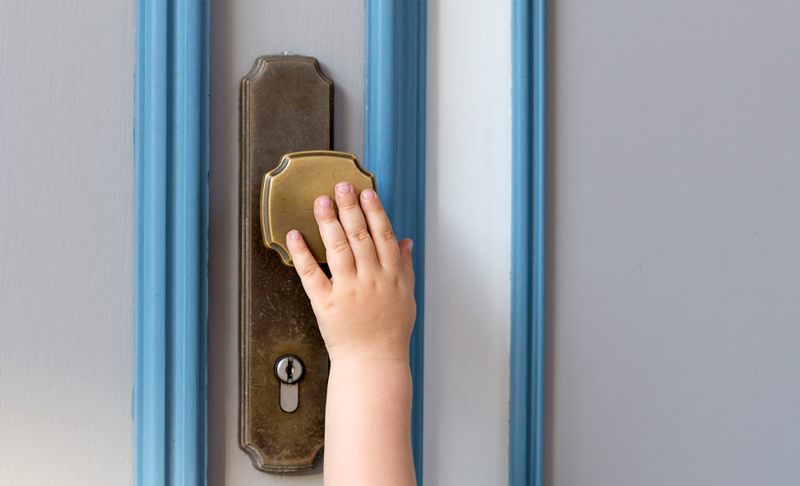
[
  {"x": 410, "y": 245},
  {"x": 343, "y": 187},
  {"x": 325, "y": 202},
  {"x": 368, "y": 194},
  {"x": 294, "y": 235}
]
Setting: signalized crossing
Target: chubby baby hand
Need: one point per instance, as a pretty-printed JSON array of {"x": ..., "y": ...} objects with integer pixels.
[{"x": 366, "y": 310}]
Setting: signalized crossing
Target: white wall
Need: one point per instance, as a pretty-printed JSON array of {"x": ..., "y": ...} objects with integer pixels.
[
  {"x": 675, "y": 171},
  {"x": 66, "y": 242},
  {"x": 333, "y": 32},
  {"x": 468, "y": 243}
]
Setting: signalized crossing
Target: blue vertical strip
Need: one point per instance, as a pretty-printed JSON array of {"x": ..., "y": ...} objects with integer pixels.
[
  {"x": 171, "y": 154},
  {"x": 151, "y": 241},
  {"x": 528, "y": 241},
  {"x": 395, "y": 147}
]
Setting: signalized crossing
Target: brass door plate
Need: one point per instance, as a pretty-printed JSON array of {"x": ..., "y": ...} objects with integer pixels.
[
  {"x": 289, "y": 190},
  {"x": 286, "y": 106}
]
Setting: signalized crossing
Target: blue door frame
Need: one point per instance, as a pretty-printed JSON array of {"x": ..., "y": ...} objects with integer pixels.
[
  {"x": 171, "y": 145},
  {"x": 171, "y": 156},
  {"x": 528, "y": 152}
]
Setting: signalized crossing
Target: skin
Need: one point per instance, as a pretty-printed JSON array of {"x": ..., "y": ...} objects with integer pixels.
[{"x": 366, "y": 313}]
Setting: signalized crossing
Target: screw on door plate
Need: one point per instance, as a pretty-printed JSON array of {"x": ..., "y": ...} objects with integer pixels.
[{"x": 289, "y": 370}]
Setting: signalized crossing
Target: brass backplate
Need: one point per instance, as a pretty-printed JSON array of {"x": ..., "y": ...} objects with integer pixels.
[
  {"x": 289, "y": 190},
  {"x": 286, "y": 106}
]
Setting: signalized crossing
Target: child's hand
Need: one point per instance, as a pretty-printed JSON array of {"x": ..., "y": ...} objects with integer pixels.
[
  {"x": 365, "y": 313},
  {"x": 366, "y": 310}
]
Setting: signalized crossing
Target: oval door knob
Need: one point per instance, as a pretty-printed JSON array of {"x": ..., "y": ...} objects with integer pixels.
[{"x": 289, "y": 190}]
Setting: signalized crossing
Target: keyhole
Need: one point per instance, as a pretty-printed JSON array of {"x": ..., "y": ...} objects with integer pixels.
[{"x": 290, "y": 370}]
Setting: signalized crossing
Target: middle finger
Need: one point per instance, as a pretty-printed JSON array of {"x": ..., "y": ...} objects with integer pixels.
[{"x": 355, "y": 226}]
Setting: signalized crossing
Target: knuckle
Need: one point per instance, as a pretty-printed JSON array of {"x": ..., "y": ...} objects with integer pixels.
[
  {"x": 358, "y": 234},
  {"x": 374, "y": 207},
  {"x": 348, "y": 204},
  {"x": 309, "y": 270},
  {"x": 386, "y": 234},
  {"x": 339, "y": 246},
  {"x": 326, "y": 217}
]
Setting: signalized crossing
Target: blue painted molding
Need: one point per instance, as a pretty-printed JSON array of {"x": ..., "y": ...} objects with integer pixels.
[
  {"x": 171, "y": 153},
  {"x": 395, "y": 146},
  {"x": 528, "y": 53}
]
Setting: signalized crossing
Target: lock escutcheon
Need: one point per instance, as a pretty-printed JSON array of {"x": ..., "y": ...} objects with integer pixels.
[{"x": 286, "y": 107}]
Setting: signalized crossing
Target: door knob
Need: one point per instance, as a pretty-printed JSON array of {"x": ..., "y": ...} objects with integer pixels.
[{"x": 289, "y": 190}]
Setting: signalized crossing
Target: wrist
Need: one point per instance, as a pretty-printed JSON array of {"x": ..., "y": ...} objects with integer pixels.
[
  {"x": 366, "y": 367},
  {"x": 370, "y": 352},
  {"x": 376, "y": 379},
  {"x": 389, "y": 379},
  {"x": 348, "y": 360}
]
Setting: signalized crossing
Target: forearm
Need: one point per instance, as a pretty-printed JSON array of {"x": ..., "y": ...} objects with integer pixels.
[{"x": 367, "y": 424}]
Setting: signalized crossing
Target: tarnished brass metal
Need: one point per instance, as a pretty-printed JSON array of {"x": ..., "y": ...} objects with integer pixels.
[
  {"x": 289, "y": 190},
  {"x": 286, "y": 106}
]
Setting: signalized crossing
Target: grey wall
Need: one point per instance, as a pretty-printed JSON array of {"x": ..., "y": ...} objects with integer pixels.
[
  {"x": 66, "y": 242},
  {"x": 675, "y": 305}
]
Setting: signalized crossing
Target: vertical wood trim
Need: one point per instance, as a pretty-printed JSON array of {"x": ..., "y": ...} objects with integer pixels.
[
  {"x": 395, "y": 147},
  {"x": 171, "y": 153},
  {"x": 528, "y": 241}
]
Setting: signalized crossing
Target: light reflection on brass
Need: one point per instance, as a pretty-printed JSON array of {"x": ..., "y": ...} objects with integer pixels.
[{"x": 288, "y": 193}]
